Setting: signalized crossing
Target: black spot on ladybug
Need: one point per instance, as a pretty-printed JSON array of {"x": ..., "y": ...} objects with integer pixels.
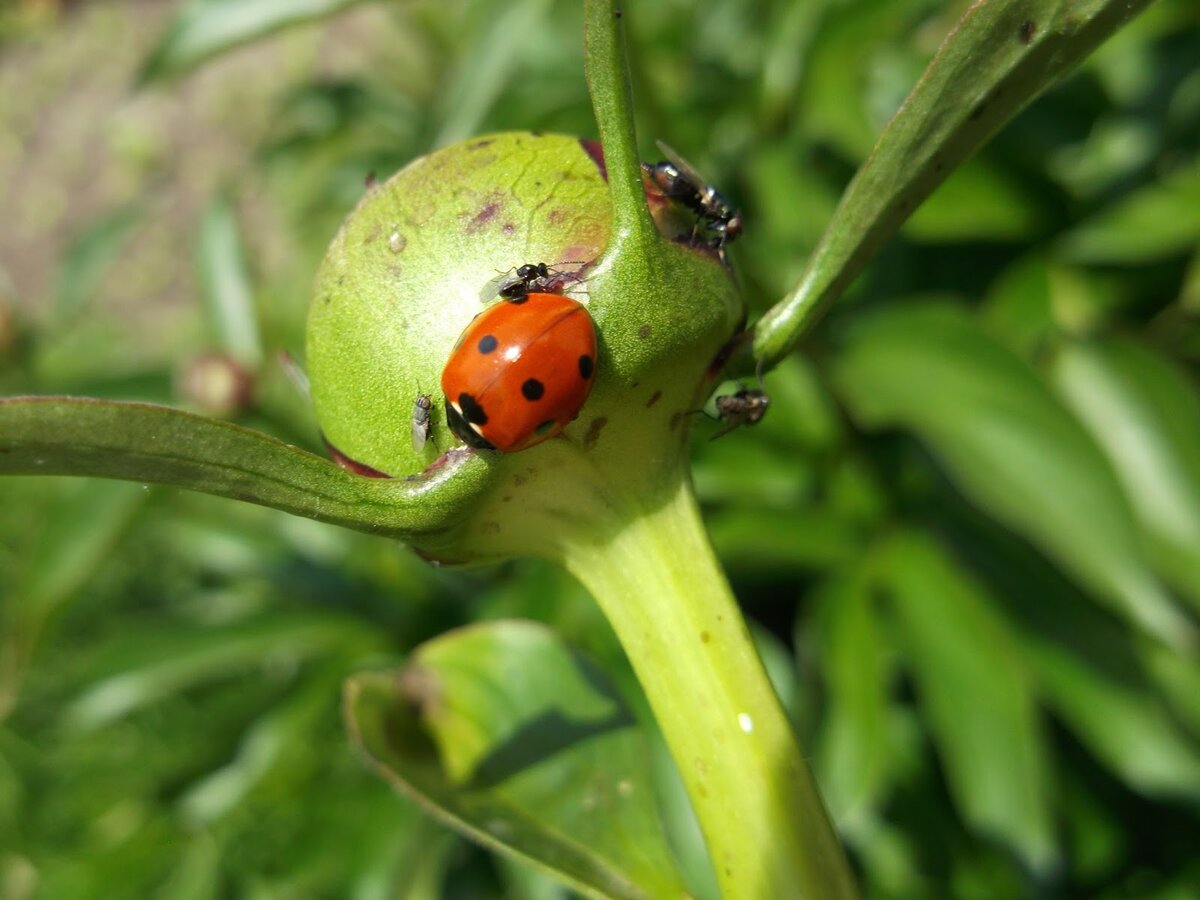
[
  {"x": 471, "y": 410},
  {"x": 586, "y": 366},
  {"x": 488, "y": 343},
  {"x": 532, "y": 389},
  {"x": 544, "y": 426},
  {"x": 463, "y": 431}
]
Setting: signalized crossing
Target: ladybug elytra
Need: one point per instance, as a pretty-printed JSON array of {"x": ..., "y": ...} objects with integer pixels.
[{"x": 520, "y": 372}]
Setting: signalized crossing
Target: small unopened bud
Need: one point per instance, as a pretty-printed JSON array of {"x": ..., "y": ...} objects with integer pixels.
[{"x": 216, "y": 384}]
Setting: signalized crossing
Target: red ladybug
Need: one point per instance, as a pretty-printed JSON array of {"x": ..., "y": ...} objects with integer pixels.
[{"x": 520, "y": 372}]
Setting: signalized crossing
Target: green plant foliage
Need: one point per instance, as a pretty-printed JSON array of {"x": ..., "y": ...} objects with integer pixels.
[
  {"x": 969, "y": 525},
  {"x": 504, "y": 731}
]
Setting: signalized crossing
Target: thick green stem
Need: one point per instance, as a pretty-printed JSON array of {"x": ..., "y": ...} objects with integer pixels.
[
  {"x": 660, "y": 586},
  {"x": 612, "y": 101}
]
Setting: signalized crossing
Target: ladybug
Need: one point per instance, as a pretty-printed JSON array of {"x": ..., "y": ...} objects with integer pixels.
[
  {"x": 520, "y": 372},
  {"x": 682, "y": 184},
  {"x": 746, "y": 407},
  {"x": 420, "y": 421}
]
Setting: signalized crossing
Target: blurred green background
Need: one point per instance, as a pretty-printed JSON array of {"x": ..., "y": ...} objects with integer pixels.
[{"x": 969, "y": 530}]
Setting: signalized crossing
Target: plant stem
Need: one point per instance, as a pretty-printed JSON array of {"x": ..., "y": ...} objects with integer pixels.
[
  {"x": 659, "y": 583},
  {"x": 997, "y": 59},
  {"x": 612, "y": 100}
]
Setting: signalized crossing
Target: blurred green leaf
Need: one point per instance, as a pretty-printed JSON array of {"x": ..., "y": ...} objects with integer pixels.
[
  {"x": 141, "y": 442},
  {"x": 1125, "y": 729},
  {"x": 750, "y": 473},
  {"x": 1154, "y": 222},
  {"x": 137, "y": 671},
  {"x": 1019, "y": 304},
  {"x": 977, "y": 202},
  {"x": 764, "y": 540},
  {"x": 506, "y": 735},
  {"x": 80, "y": 536},
  {"x": 284, "y": 729},
  {"x": 225, "y": 286},
  {"x": 852, "y": 750},
  {"x": 205, "y": 28},
  {"x": 198, "y": 875},
  {"x": 1037, "y": 298},
  {"x": 976, "y": 690},
  {"x": 487, "y": 67},
  {"x": 1145, "y": 414},
  {"x": 1178, "y": 678},
  {"x": 999, "y": 56},
  {"x": 90, "y": 257},
  {"x": 833, "y": 96},
  {"x": 1010, "y": 447}
]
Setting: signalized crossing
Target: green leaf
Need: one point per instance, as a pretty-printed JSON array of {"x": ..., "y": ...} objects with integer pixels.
[
  {"x": 834, "y": 99},
  {"x": 766, "y": 540},
  {"x": 506, "y": 735},
  {"x": 142, "y": 442},
  {"x": 1000, "y": 56},
  {"x": 1154, "y": 222},
  {"x": 91, "y": 255},
  {"x": 1118, "y": 722},
  {"x": 852, "y": 749},
  {"x": 205, "y": 28},
  {"x": 141, "y": 670},
  {"x": 1145, "y": 414},
  {"x": 264, "y": 748},
  {"x": 977, "y": 202},
  {"x": 1178, "y": 678},
  {"x": 225, "y": 285},
  {"x": 78, "y": 539},
  {"x": 487, "y": 68},
  {"x": 976, "y": 689},
  {"x": 1009, "y": 445}
]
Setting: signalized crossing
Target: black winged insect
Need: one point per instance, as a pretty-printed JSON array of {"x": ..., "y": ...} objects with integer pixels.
[{"x": 682, "y": 184}]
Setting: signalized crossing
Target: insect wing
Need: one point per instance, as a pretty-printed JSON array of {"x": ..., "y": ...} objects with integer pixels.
[
  {"x": 494, "y": 287},
  {"x": 420, "y": 422},
  {"x": 685, "y": 168}
]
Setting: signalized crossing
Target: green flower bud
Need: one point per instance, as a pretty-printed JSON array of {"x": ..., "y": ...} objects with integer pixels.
[{"x": 404, "y": 277}]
